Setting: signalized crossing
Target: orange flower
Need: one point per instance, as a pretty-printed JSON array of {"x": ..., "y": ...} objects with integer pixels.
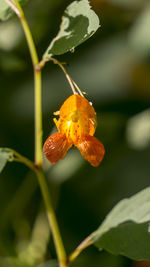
[{"x": 76, "y": 126}]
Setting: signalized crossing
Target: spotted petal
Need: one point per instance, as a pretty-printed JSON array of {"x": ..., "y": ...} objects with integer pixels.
[
  {"x": 92, "y": 150},
  {"x": 56, "y": 147}
]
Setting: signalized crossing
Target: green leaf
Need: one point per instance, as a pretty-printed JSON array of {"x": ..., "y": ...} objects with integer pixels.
[
  {"x": 79, "y": 23},
  {"x": 5, "y": 10},
  {"x": 126, "y": 229},
  {"x": 4, "y": 157}
]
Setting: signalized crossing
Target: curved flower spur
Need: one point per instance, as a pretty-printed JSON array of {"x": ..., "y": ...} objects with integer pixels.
[{"x": 76, "y": 126}]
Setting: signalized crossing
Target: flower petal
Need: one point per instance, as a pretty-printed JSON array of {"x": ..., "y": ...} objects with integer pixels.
[
  {"x": 92, "y": 150},
  {"x": 56, "y": 147}
]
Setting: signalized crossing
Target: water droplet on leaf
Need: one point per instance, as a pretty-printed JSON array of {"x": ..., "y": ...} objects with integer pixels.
[{"x": 72, "y": 50}]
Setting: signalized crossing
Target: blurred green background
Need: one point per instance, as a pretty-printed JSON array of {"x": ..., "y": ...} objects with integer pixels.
[{"x": 113, "y": 67}]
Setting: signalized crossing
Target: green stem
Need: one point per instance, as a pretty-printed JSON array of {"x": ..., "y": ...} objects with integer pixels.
[
  {"x": 52, "y": 220},
  {"x": 38, "y": 137},
  {"x": 85, "y": 243},
  {"x": 37, "y": 85},
  {"x": 66, "y": 74},
  {"x": 72, "y": 83},
  {"x": 48, "y": 203}
]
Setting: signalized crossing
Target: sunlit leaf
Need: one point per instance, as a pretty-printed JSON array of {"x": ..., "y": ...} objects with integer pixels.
[
  {"x": 4, "y": 157},
  {"x": 126, "y": 229},
  {"x": 79, "y": 23},
  {"x": 5, "y": 10}
]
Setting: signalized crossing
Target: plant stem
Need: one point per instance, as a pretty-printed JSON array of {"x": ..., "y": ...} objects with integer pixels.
[
  {"x": 38, "y": 137},
  {"x": 13, "y": 6},
  {"x": 71, "y": 82},
  {"x": 37, "y": 81},
  {"x": 66, "y": 74},
  {"x": 49, "y": 208},
  {"x": 19, "y": 158},
  {"x": 85, "y": 243},
  {"x": 48, "y": 203},
  {"x": 38, "y": 97},
  {"x": 52, "y": 220}
]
